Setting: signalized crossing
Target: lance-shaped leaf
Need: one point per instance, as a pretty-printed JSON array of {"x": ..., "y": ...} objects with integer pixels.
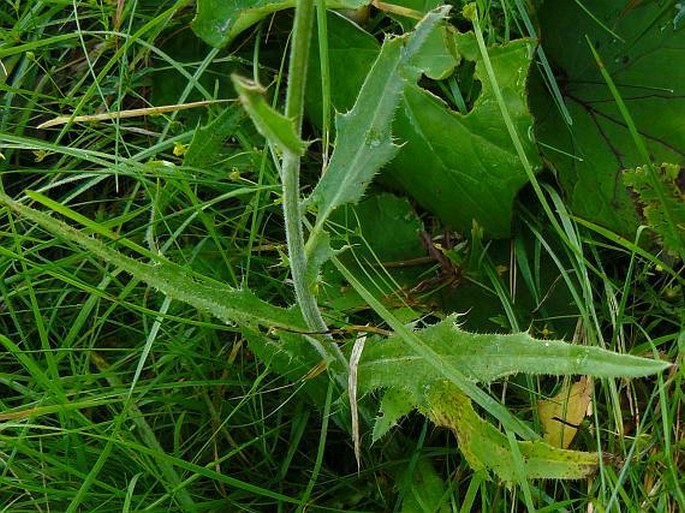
[
  {"x": 459, "y": 165},
  {"x": 487, "y": 357},
  {"x": 226, "y": 303},
  {"x": 278, "y": 129},
  {"x": 413, "y": 382},
  {"x": 364, "y": 141},
  {"x": 218, "y": 22}
]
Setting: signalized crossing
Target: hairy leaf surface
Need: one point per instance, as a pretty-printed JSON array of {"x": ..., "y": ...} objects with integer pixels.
[
  {"x": 487, "y": 448},
  {"x": 461, "y": 166},
  {"x": 464, "y": 166},
  {"x": 226, "y": 303},
  {"x": 487, "y": 357},
  {"x": 364, "y": 141}
]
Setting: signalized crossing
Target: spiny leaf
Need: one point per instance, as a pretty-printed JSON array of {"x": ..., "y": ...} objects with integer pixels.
[
  {"x": 463, "y": 166},
  {"x": 459, "y": 165},
  {"x": 396, "y": 403},
  {"x": 224, "y": 302},
  {"x": 412, "y": 379},
  {"x": 364, "y": 141},
  {"x": 278, "y": 130},
  {"x": 484, "y": 358}
]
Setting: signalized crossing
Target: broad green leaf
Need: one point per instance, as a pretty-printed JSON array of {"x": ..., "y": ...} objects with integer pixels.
[
  {"x": 485, "y": 447},
  {"x": 464, "y": 166},
  {"x": 224, "y": 302},
  {"x": 485, "y": 358},
  {"x": 651, "y": 84},
  {"x": 460, "y": 166},
  {"x": 649, "y": 205},
  {"x": 438, "y": 56},
  {"x": 218, "y": 22},
  {"x": 278, "y": 130},
  {"x": 174, "y": 81},
  {"x": 364, "y": 141}
]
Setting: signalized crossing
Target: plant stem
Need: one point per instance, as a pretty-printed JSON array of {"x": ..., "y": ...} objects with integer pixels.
[
  {"x": 290, "y": 168},
  {"x": 290, "y": 174},
  {"x": 295, "y": 239},
  {"x": 297, "y": 67}
]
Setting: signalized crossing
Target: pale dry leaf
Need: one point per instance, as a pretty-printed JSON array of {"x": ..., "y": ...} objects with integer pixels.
[
  {"x": 561, "y": 415},
  {"x": 352, "y": 391}
]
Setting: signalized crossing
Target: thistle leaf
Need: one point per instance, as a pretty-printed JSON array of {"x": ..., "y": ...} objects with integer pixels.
[
  {"x": 486, "y": 448},
  {"x": 224, "y": 302},
  {"x": 487, "y": 357},
  {"x": 364, "y": 139}
]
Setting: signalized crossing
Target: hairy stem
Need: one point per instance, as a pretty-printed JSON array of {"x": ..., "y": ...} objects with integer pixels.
[
  {"x": 299, "y": 55},
  {"x": 290, "y": 173}
]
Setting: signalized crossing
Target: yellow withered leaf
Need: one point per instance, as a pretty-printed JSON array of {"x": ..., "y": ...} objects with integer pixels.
[{"x": 560, "y": 415}]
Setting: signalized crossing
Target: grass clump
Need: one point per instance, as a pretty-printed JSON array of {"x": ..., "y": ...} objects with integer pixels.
[{"x": 127, "y": 385}]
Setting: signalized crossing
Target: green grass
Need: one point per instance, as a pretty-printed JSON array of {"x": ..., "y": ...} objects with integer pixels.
[{"x": 114, "y": 397}]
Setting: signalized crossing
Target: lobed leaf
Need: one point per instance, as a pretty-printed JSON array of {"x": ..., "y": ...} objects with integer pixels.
[
  {"x": 463, "y": 166},
  {"x": 395, "y": 404},
  {"x": 487, "y": 357},
  {"x": 665, "y": 212},
  {"x": 487, "y": 448},
  {"x": 459, "y": 165},
  {"x": 414, "y": 382},
  {"x": 364, "y": 141}
]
